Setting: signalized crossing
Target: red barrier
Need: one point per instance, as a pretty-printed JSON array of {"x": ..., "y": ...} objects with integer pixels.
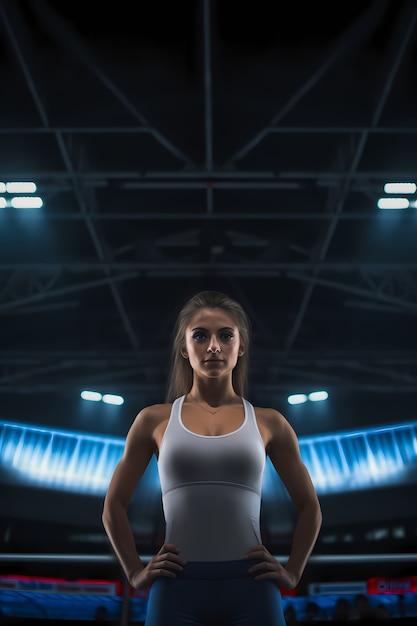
[{"x": 392, "y": 585}]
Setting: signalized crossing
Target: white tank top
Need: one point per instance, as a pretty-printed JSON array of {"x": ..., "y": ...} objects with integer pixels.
[{"x": 211, "y": 488}]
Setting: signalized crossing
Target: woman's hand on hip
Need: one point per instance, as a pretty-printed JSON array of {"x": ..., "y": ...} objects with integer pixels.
[
  {"x": 166, "y": 562},
  {"x": 269, "y": 568}
]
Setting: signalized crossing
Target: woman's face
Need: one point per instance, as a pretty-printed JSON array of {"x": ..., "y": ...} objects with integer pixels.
[{"x": 212, "y": 343}]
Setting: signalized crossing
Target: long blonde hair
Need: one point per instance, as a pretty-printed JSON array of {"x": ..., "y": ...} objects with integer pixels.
[{"x": 180, "y": 378}]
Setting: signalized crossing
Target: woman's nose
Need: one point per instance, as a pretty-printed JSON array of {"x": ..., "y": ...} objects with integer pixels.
[{"x": 214, "y": 345}]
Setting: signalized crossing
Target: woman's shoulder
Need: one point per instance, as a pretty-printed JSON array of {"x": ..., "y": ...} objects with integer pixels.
[
  {"x": 148, "y": 420},
  {"x": 154, "y": 413},
  {"x": 268, "y": 413},
  {"x": 150, "y": 423},
  {"x": 270, "y": 417}
]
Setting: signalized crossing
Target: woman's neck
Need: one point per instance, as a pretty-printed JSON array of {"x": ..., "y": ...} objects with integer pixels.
[{"x": 213, "y": 394}]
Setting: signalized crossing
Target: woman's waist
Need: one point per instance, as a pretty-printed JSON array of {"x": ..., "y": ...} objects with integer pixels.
[
  {"x": 213, "y": 534},
  {"x": 217, "y": 570}
]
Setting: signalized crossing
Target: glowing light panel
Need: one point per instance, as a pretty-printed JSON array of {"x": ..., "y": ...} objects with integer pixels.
[
  {"x": 68, "y": 460},
  {"x": 85, "y": 463},
  {"x": 360, "y": 459}
]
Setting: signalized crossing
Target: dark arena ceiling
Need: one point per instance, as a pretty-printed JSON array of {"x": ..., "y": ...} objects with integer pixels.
[{"x": 184, "y": 146}]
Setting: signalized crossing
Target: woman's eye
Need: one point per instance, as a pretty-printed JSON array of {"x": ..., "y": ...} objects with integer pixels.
[{"x": 224, "y": 336}]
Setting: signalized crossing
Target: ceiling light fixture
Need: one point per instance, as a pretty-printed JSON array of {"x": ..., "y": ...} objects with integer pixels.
[
  {"x": 297, "y": 398},
  {"x": 396, "y": 202},
  {"x": 393, "y": 203},
  {"x": 8, "y": 199},
  {"x": 20, "y": 187},
  {"x": 107, "y": 398},
  {"x": 318, "y": 396},
  {"x": 110, "y": 398},
  {"x": 92, "y": 396},
  {"x": 314, "y": 396},
  {"x": 26, "y": 202},
  {"x": 404, "y": 188}
]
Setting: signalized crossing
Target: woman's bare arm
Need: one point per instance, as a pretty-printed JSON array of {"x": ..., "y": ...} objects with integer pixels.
[
  {"x": 283, "y": 450},
  {"x": 138, "y": 451}
]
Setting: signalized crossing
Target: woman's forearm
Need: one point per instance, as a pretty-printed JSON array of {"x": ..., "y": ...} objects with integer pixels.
[
  {"x": 117, "y": 526},
  {"x": 304, "y": 538}
]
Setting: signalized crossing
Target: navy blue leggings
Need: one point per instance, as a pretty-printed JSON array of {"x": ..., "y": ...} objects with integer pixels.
[{"x": 214, "y": 593}]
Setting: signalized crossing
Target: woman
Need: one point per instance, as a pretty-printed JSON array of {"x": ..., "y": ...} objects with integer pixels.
[{"x": 211, "y": 445}]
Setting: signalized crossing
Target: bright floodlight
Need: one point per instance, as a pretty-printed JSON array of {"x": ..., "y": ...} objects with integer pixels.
[
  {"x": 2, "y": 188},
  {"x": 3, "y": 203},
  {"x": 393, "y": 203},
  {"x": 318, "y": 396},
  {"x": 93, "y": 396},
  {"x": 109, "y": 398},
  {"x": 400, "y": 187},
  {"x": 20, "y": 187},
  {"x": 26, "y": 202},
  {"x": 297, "y": 398}
]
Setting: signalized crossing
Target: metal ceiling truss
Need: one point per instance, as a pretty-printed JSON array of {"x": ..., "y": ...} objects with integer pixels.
[{"x": 32, "y": 286}]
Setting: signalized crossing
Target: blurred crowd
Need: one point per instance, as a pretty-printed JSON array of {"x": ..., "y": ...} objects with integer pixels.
[{"x": 359, "y": 610}]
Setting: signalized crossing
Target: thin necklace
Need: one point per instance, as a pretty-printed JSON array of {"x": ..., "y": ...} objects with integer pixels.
[{"x": 208, "y": 410}]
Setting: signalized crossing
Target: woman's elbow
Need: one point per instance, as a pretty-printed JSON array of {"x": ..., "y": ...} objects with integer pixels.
[
  {"x": 106, "y": 514},
  {"x": 109, "y": 510},
  {"x": 317, "y": 514},
  {"x": 113, "y": 509},
  {"x": 311, "y": 509}
]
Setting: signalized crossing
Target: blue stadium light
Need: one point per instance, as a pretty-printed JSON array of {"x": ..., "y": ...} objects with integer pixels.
[
  {"x": 68, "y": 460},
  {"x": 297, "y": 398},
  {"x": 110, "y": 398},
  {"x": 84, "y": 463},
  {"x": 318, "y": 396},
  {"x": 92, "y": 396}
]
